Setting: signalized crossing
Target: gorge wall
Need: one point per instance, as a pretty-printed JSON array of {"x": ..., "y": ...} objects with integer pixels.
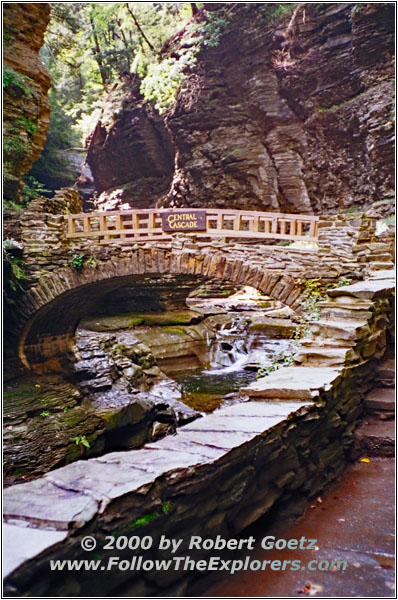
[
  {"x": 295, "y": 119},
  {"x": 25, "y": 85}
]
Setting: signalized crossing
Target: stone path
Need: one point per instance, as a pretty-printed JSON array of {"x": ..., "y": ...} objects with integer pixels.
[
  {"x": 376, "y": 435},
  {"x": 354, "y": 522}
]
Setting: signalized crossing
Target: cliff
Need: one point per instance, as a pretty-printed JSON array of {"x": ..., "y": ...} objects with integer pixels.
[
  {"x": 130, "y": 153},
  {"x": 290, "y": 115},
  {"x": 25, "y": 85}
]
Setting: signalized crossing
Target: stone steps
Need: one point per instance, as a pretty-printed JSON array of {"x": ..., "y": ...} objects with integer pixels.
[
  {"x": 384, "y": 258},
  {"x": 326, "y": 356},
  {"x": 376, "y": 435},
  {"x": 386, "y": 373},
  {"x": 376, "y": 266},
  {"x": 381, "y": 399},
  {"x": 375, "y": 438}
]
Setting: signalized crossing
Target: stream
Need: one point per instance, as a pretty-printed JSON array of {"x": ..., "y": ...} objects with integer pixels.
[
  {"x": 136, "y": 378},
  {"x": 234, "y": 364}
]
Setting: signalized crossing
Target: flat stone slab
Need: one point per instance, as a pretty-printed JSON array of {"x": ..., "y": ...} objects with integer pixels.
[
  {"x": 101, "y": 480},
  {"x": 347, "y": 329},
  {"x": 247, "y": 418},
  {"x": 293, "y": 382},
  {"x": 261, "y": 409},
  {"x": 320, "y": 356},
  {"x": 375, "y": 438},
  {"x": 150, "y": 462},
  {"x": 383, "y": 274},
  {"x": 73, "y": 494},
  {"x": 381, "y": 399},
  {"x": 386, "y": 372},
  {"x": 226, "y": 440},
  {"x": 44, "y": 505},
  {"x": 185, "y": 444},
  {"x": 24, "y": 543},
  {"x": 364, "y": 289}
]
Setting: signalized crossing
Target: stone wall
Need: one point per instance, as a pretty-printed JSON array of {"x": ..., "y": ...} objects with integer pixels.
[
  {"x": 215, "y": 477},
  {"x": 65, "y": 201},
  {"x": 350, "y": 240}
]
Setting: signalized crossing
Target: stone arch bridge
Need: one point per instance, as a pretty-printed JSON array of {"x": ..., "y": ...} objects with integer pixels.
[{"x": 42, "y": 320}]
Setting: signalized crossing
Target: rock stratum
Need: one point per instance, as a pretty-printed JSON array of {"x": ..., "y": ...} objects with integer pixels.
[
  {"x": 25, "y": 84},
  {"x": 287, "y": 115}
]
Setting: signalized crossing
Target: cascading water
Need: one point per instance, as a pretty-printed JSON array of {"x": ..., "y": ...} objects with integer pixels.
[{"x": 235, "y": 357}]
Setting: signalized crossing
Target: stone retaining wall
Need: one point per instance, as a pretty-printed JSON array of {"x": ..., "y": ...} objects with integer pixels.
[{"x": 216, "y": 476}]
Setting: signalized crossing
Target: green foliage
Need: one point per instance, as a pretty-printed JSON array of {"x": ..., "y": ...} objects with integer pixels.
[
  {"x": 32, "y": 189},
  {"x": 14, "y": 148},
  {"x": 141, "y": 521},
  {"x": 28, "y": 125},
  {"x": 162, "y": 80},
  {"x": 8, "y": 35},
  {"x": 11, "y": 205},
  {"x": 361, "y": 6},
  {"x": 81, "y": 440},
  {"x": 148, "y": 518},
  {"x": 7, "y": 244},
  {"x": 167, "y": 507},
  {"x": 17, "y": 264},
  {"x": 282, "y": 9},
  {"x": 78, "y": 261},
  {"x": 314, "y": 291},
  {"x": 267, "y": 12},
  {"x": 93, "y": 261},
  {"x": 287, "y": 360},
  {"x": 89, "y": 46},
  {"x": 161, "y": 83},
  {"x": 45, "y": 413},
  {"x": 343, "y": 281},
  {"x": 209, "y": 32},
  {"x": 16, "y": 83}
]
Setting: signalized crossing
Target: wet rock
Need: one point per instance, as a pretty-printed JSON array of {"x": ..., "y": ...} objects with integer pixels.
[{"x": 273, "y": 327}]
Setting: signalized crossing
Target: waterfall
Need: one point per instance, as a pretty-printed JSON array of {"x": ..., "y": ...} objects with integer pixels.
[{"x": 235, "y": 349}]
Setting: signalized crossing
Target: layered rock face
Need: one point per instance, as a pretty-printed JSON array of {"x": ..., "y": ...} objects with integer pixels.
[
  {"x": 291, "y": 119},
  {"x": 130, "y": 153},
  {"x": 26, "y": 82},
  {"x": 297, "y": 123}
]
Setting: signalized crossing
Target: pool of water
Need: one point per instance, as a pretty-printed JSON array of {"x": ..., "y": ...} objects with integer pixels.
[{"x": 204, "y": 389}]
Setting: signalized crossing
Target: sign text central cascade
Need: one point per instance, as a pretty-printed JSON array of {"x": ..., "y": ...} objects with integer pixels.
[{"x": 190, "y": 220}]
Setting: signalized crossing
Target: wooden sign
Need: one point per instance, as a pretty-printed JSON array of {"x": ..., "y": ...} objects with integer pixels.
[{"x": 189, "y": 220}]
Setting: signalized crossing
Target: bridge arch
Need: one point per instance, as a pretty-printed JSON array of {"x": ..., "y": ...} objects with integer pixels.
[{"x": 51, "y": 310}]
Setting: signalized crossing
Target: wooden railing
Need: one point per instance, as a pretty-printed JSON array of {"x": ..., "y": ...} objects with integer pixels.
[{"x": 144, "y": 225}]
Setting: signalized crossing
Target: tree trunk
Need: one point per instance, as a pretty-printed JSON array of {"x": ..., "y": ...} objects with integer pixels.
[
  {"x": 139, "y": 28},
  {"x": 97, "y": 56}
]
